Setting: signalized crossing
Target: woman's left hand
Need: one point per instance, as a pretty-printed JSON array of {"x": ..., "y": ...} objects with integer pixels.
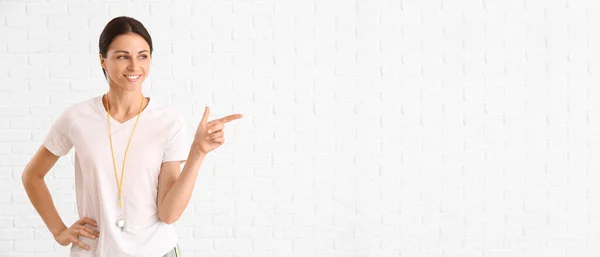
[{"x": 209, "y": 135}]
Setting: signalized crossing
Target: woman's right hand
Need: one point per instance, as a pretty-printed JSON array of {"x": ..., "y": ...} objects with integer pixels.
[{"x": 79, "y": 228}]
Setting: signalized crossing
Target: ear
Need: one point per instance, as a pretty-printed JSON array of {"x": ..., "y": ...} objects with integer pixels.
[{"x": 101, "y": 61}]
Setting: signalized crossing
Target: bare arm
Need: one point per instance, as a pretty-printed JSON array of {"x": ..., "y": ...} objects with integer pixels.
[
  {"x": 175, "y": 189},
  {"x": 37, "y": 191},
  {"x": 39, "y": 195}
]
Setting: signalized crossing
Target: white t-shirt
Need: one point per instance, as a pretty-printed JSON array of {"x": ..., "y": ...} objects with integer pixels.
[{"x": 160, "y": 137}]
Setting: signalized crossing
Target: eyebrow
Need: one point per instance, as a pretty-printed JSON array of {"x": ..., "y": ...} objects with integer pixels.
[{"x": 123, "y": 51}]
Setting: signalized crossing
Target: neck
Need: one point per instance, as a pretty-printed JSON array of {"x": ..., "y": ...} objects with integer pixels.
[{"x": 124, "y": 102}]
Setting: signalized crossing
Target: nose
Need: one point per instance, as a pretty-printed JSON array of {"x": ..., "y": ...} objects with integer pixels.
[{"x": 132, "y": 64}]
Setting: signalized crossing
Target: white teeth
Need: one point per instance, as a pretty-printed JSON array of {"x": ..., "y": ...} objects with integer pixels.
[{"x": 133, "y": 77}]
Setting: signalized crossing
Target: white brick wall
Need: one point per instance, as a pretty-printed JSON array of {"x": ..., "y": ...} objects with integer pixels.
[{"x": 372, "y": 128}]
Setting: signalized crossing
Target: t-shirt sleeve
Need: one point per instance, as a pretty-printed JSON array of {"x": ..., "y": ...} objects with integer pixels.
[
  {"x": 58, "y": 140},
  {"x": 177, "y": 148}
]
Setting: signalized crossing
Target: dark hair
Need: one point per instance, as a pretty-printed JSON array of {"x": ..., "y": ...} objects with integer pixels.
[{"x": 119, "y": 26}]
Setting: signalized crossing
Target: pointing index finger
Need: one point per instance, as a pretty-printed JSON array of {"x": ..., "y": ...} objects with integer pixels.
[
  {"x": 231, "y": 117},
  {"x": 205, "y": 115}
]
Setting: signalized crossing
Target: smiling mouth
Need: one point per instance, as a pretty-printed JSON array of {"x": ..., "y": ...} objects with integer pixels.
[{"x": 132, "y": 76}]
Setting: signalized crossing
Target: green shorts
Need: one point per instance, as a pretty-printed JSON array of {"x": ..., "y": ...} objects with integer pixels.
[{"x": 174, "y": 253}]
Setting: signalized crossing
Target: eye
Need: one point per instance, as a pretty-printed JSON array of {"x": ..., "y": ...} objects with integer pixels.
[
  {"x": 119, "y": 57},
  {"x": 144, "y": 56}
]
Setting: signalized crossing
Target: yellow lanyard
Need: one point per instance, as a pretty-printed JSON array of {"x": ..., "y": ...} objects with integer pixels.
[{"x": 120, "y": 183}]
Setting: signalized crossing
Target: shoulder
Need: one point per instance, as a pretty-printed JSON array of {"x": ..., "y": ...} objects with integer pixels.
[
  {"x": 77, "y": 110},
  {"x": 85, "y": 106},
  {"x": 167, "y": 115},
  {"x": 63, "y": 121}
]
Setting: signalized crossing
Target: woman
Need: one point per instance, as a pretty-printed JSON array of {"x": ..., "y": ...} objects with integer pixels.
[{"x": 127, "y": 211}]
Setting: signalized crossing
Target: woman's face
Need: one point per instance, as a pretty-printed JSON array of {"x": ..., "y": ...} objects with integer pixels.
[{"x": 127, "y": 61}]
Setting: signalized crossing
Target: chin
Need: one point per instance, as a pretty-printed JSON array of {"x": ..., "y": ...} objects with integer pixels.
[{"x": 131, "y": 87}]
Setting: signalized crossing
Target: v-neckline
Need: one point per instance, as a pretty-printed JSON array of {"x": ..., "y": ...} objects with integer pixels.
[{"x": 112, "y": 119}]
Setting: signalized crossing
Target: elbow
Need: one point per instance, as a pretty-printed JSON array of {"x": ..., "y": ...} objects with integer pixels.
[
  {"x": 27, "y": 181},
  {"x": 25, "y": 178},
  {"x": 168, "y": 218}
]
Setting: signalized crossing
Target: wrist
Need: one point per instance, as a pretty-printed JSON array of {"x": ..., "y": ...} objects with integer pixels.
[
  {"x": 196, "y": 152},
  {"x": 57, "y": 231}
]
